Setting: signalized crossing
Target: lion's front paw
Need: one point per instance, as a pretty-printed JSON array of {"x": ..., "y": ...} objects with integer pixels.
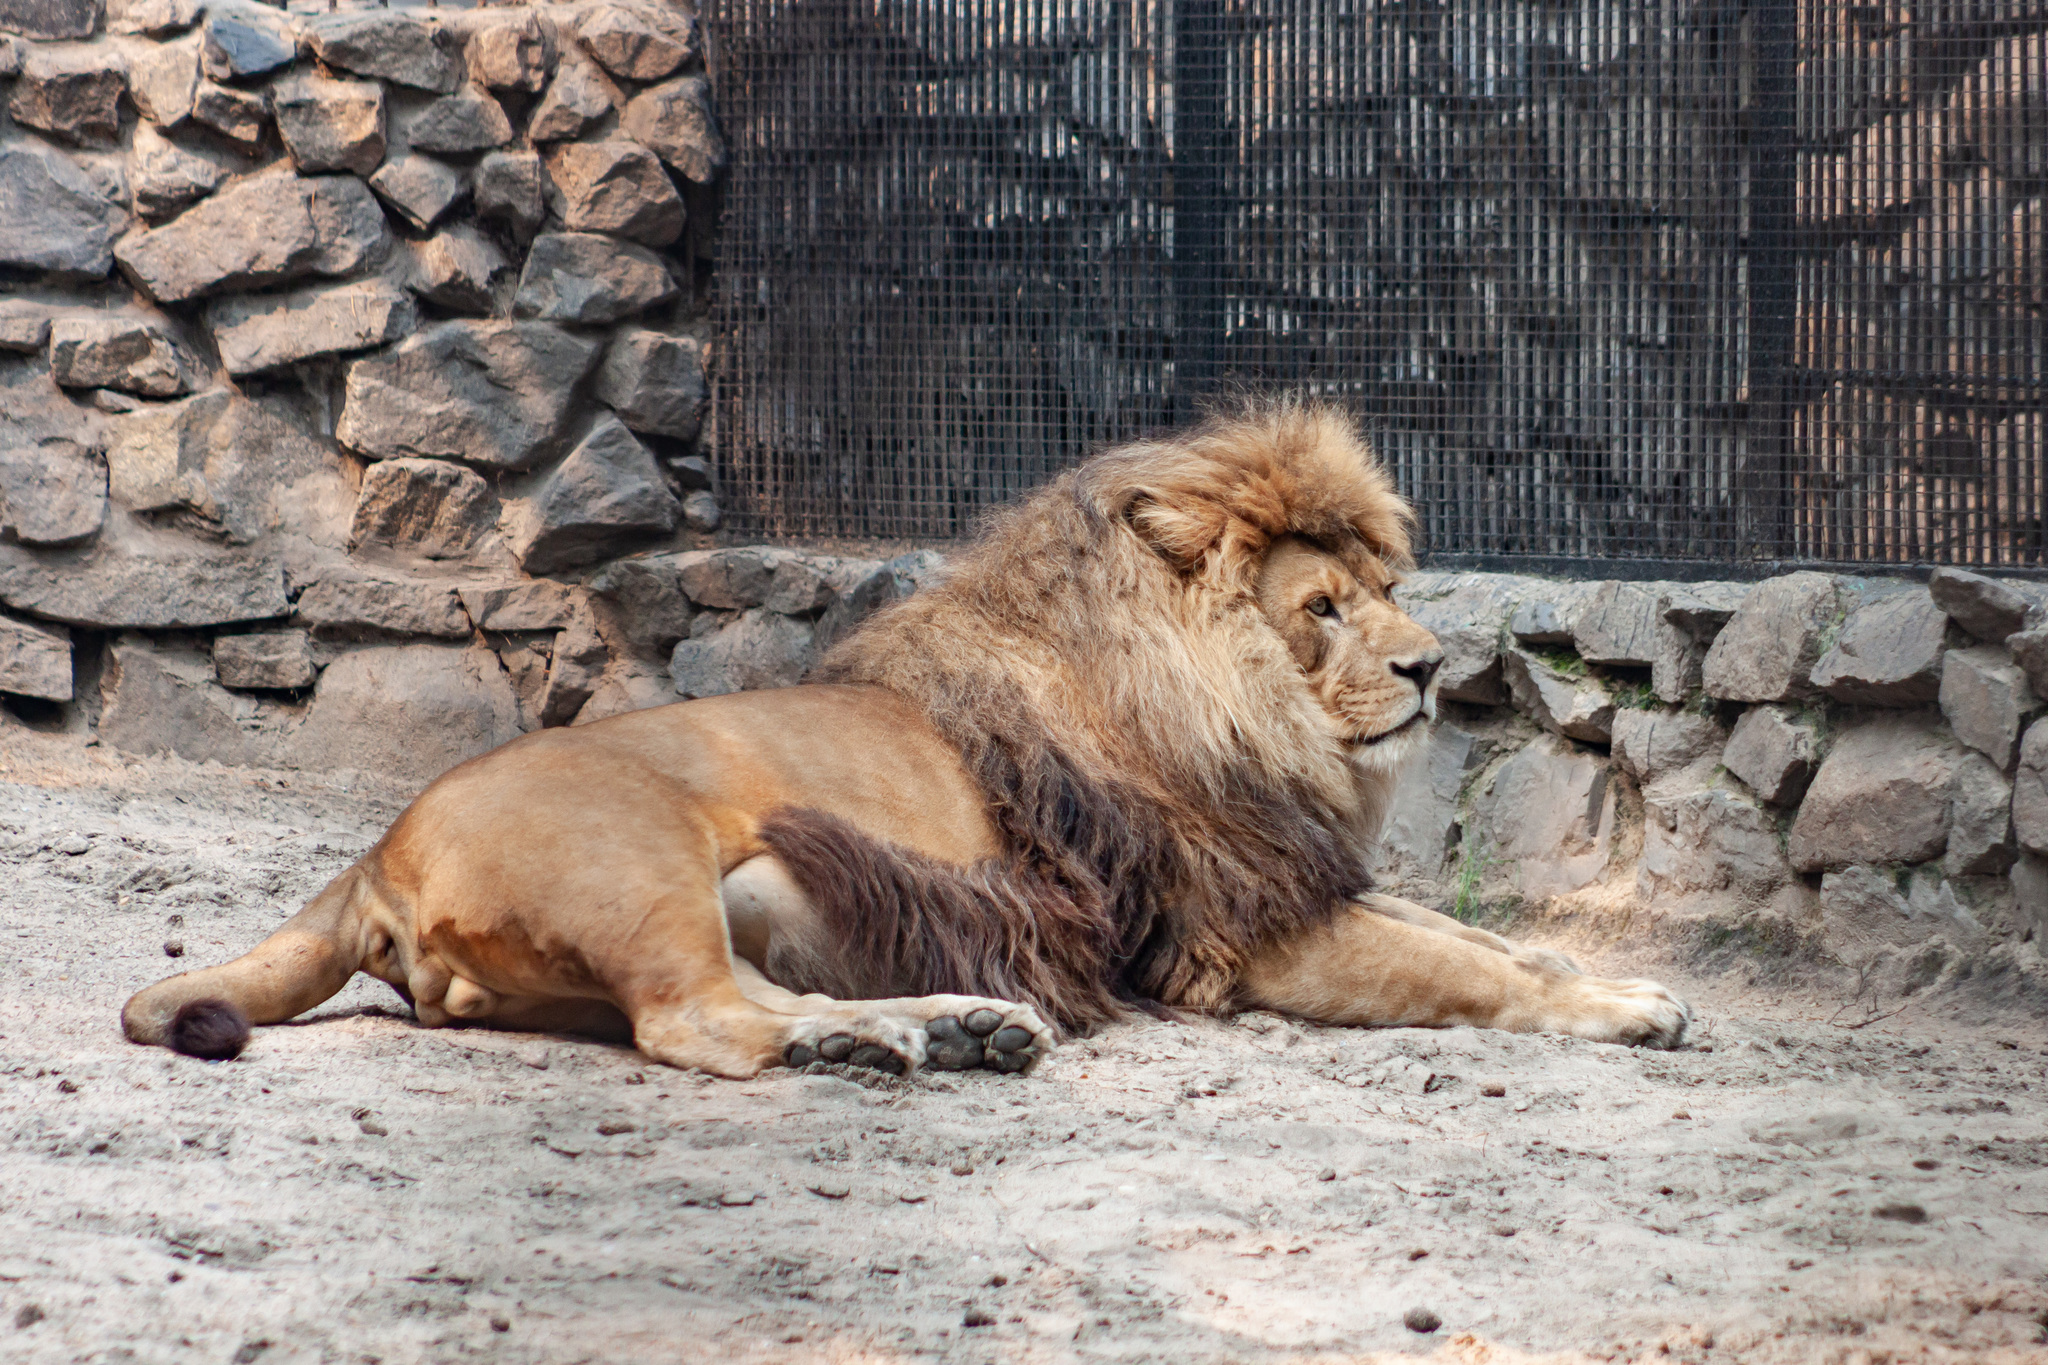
[
  {"x": 1635, "y": 1012},
  {"x": 994, "y": 1034},
  {"x": 871, "y": 1040}
]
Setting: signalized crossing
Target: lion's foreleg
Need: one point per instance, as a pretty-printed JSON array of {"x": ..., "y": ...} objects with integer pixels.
[
  {"x": 1422, "y": 917},
  {"x": 1367, "y": 968}
]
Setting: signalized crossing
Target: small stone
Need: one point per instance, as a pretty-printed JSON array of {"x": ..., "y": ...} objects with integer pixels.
[
  {"x": 1768, "y": 649},
  {"x": 1888, "y": 654},
  {"x": 1681, "y": 1113},
  {"x": 1881, "y": 796},
  {"x": 760, "y": 649},
  {"x": 500, "y": 1324},
  {"x": 67, "y": 1086},
  {"x": 1327, "y": 1174},
  {"x": 372, "y": 1128},
  {"x": 962, "y": 1168},
  {"x": 700, "y": 511},
  {"x": 1902, "y": 1213},
  {"x": 1618, "y": 624},
  {"x": 257, "y": 332},
  {"x": 164, "y": 177},
  {"x": 675, "y": 121},
  {"x": 1576, "y": 707},
  {"x": 692, "y": 471},
  {"x": 616, "y": 186},
  {"x": 30, "y": 1314},
  {"x": 627, "y": 44},
  {"x": 35, "y": 659},
  {"x": 1987, "y": 701},
  {"x": 507, "y": 186},
  {"x": 247, "y": 41},
  {"x": 174, "y": 947},
  {"x": 976, "y": 1317},
  {"x": 162, "y": 80},
  {"x": 606, "y": 490},
  {"x": 1421, "y": 1320},
  {"x": 578, "y": 98},
  {"x": 53, "y": 217},
  {"x": 279, "y": 660},
  {"x": 261, "y": 231},
  {"x": 419, "y": 187},
  {"x": 591, "y": 279},
  {"x": 363, "y": 606},
  {"x": 1493, "y": 1090},
  {"x": 392, "y": 45},
  {"x": 330, "y": 125},
  {"x": 655, "y": 382},
  {"x": 73, "y": 95},
  {"x": 512, "y": 54},
  {"x": 152, "y": 17},
  {"x": 1775, "y": 752},
  {"x": 466, "y": 121},
  {"x": 121, "y": 351},
  {"x": 1417, "y": 1253},
  {"x": 1987, "y": 609}
]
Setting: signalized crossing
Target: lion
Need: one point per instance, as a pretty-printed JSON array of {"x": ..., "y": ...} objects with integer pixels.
[{"x": 1131, "y": 754}]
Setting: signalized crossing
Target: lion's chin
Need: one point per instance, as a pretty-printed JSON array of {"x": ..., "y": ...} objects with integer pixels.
[{"x": 1389, "y": 751}]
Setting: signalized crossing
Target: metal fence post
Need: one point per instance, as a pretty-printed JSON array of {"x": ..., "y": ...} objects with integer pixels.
[{"x": 1766, "y": 523}]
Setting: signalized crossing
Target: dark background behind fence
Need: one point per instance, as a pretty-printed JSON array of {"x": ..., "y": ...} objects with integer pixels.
[{"x": 1630, "y": 279}]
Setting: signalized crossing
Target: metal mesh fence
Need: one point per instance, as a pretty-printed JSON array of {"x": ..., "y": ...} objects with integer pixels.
[{"x": 1714, "y": 280}]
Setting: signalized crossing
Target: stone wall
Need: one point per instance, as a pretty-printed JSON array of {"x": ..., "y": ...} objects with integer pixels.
[{"x": 337, "y": 345}]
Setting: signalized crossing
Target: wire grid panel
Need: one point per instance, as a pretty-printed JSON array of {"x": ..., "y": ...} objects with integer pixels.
[{"x": 1685, "y": 279}]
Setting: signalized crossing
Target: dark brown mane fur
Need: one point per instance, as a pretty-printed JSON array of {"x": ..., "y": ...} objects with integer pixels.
[{"x": 1169, "y": 793}]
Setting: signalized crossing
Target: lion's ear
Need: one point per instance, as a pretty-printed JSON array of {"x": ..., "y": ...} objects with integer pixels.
[{"x": 1183, "y": 534}]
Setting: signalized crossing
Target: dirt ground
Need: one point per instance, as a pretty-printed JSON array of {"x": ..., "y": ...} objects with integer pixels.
[{"x": 356, "y": 1189}]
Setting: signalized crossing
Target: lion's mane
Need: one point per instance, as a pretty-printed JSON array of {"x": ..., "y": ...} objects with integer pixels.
[{"x": 1169, "y": 791}]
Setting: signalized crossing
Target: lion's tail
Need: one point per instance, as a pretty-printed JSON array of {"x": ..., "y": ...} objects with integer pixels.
[{"x": 207, "y": 1013}]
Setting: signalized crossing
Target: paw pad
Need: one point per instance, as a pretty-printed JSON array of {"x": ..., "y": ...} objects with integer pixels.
[{"x": 952, "y": 1046}]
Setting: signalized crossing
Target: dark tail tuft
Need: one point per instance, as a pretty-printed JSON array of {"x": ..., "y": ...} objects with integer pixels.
[{"x": 214, "y": 1029}]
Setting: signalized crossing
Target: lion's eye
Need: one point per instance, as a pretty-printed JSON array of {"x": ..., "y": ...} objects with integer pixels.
[{"x": 1321, "y": 606}]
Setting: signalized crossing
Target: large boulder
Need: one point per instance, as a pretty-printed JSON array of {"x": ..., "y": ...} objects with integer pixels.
[
  {"x": 456, "y": 269},
  {"x": 52, "y": 493},
  {"x": 640, "y": 606},
  {"x": 760, "y": 649},
  {"x": 257, "y": 332},
  {"x": 403, "y": 47},
  {"x": 674, "y": 120},
  {"x": 1709, "y": 840},
  {"x": 1568, "y": 703},
  {"x": 1648, "y": 744},
  {"x": 1422, "y": 825},
  {"x": 466, "y": 121},
  {"x": 242, "y": 41},
  {"x": 457, "y": 703},
  {"x": 54, "y": 219},
  {"x": 1774, "y": 750},
  {"x": 1548, "y": 617},
  {"x": 1980, "y": 841},
  {"x": 1547, "y": 818},
  {"x": 511, "y": 52},
  {"x": 1888, "y": 654},
  {"x": 435, "y": 509},
  {"x": 140, "y": 578},
  {"x": 165, "y": 700},
  {"x": 421, "y": 189},
  {"x": 123, "y": 351},
  {"x": 606, "y": 490},
  {"x": 589, "y": 279},
  {"x": 1618, "y": 624},
  {"x": 163, "y": 80},
  {"x": 73, "y": 94},
  {"x": 632, "y": 44},
  {"x": 239, "y": 116},
  {"x": 521, "y": 605},
  {"x": 655, "y": 383},
  {"x": 1869, "y": 911},
  {"x": 164, "y": 176},
  {"x": 261, "y": 231},
  {"x": 244, "y": 465},
  {"x": 1882, "y": 795},
  {"x": 50, "y": 19},
  {"x": 1986, "y": 608},
  {"x": 1689, "y": 618},
  {"x": 1768, "y": 649},
  {"x": 2030, "y": 651},
  {"x": 1987, "y": 701},
  {"x": 615, "y": 186},
  {"x": 506, "y": 187},
  {"x": 1468, "y": 614},
  {"x": 578, "y": 98},
  {"x": 35, "y": 659},
  {"x": 491, "y": 393},
  {"x": 352, "y": 606},
  {"x": 330, "y": 125}
]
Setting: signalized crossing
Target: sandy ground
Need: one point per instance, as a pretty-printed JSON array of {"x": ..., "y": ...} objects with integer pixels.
[{"x": 356, "y": 1189}]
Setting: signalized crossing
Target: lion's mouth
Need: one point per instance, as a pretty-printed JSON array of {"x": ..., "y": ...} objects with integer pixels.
[{"x": 1366, "y": 742}]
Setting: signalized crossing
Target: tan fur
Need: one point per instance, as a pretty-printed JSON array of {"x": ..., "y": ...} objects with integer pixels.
[{"x": 1134, "y": 749}]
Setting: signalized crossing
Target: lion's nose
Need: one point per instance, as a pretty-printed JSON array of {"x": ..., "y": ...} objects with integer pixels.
[{"x": 1421, "y": 668}]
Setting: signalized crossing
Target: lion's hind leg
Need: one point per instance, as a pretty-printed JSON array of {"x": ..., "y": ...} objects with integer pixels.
[{"x": 951, "y": 1032}]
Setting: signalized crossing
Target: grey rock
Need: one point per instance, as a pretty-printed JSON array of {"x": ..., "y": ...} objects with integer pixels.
[
  {"x": 1980, "y": 840},
  {"x": 1548, "y": 613},
  {"x": 591, "y": 279},
  {"x": 458, "y": 703},
  {"x": 165, "y": 177},
  {"x": 152, "y": 17},
  {"x": 257, "y": 332},
  {"x": 50, "y": 19},
  {"x": 626, "y": 685},
  {"x": 431, "y": 508},
  {"x": 261, "y": 231},
  {"x": 1882, "y": 795},
  {"x": 162, "y": 700},
  {"x": 1703, "y": 608},
  {"x": 729, "y": 580},
  {"x": 1689, "y": 617},
  {"x": 466, "y": 121},
  {"x": 675, "y": 121},
  {"x": 454, "y": 269},
  {"x": 1987, "y": 609},
  {"x": 2030, "y": 896},
  {"x": 1987, "y": 701},
  {"x": 271, "y": 660},
  {"x": 121, "y": 351},
  {"x": 640, "y": 606},
  {"x": 1708, "y": 840},
  {"x": 801, "y": 586},
  {"x": 574, "y": 674},
  {"x": 24, "y": 325},
  {"x": 2030, "y": 790},
  {"x": 348, "y": 606},
  {"x": 2030, "y": 651},
  {"x": 236, "y": 115},
  {"x": 52, "y": 493},
  {"x": 1423, "y": 829},
  {"x": 654, "y": 382},
  {"x": 522, "y": 605},
  {"x": 1618, "y": 624},
  {"x": 1579, "y": 708},
  {"x": 630, "y": 45},
  {"x": 507, "y": 186},
  {"x": 149, "y": 580},
  {"x": 701, "y": 511},
  {"x": 391, "y": 45},
  {"x": 606, "y": 490},
  {"x": 692, "y": 471},
  {"x": 1649, "y": 744},
  {"x": 513, "y": 53},
  {"x": 247, "y": 40},
  {"x": 1768, "y": 649},
  {"x": 1547, "y": 816},
  {"x": 35, "y": 659},
  {"x": 615, "y": 186},
  {"x": 1775, "y": 751},
  {"x": 163, "y": 80},
  {"x": 579, "y": 97},
  {"x": 1467, "y": 613},
  {"x": 419, "y": 187},
  {"x": 490, "y": 393},
  {"x": 760, "y": 649},
  {"x": 330, "y": 125},
  {"x": 1888, "y": 654},
  {"x": 246, "y": 467},
  {"x": 856, "y": 601},
  {"x": 1865, "y": 912},
  {"x": 53, "y": 218},
  {"x": 72, "y": 95}
]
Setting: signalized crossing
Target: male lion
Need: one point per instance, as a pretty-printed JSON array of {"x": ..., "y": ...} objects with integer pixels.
[{"x": 1133, "y": 752}]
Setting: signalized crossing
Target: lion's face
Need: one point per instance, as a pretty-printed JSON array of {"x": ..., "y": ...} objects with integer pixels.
[{"x": 1372, "y": 667}]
